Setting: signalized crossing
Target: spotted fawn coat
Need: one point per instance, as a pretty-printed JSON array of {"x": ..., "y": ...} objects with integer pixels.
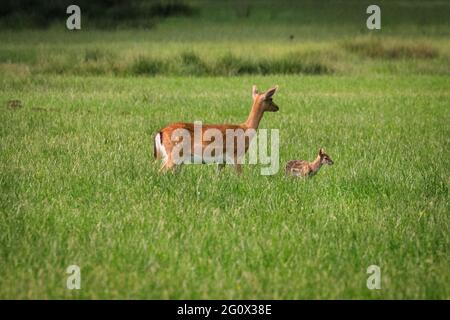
[{"x": 302, "y": 168}]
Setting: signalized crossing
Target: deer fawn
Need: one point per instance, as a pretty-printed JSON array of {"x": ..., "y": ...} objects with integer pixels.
[
  {"x": 167, "y": 147},
  {"x": 301, "y": 168}
]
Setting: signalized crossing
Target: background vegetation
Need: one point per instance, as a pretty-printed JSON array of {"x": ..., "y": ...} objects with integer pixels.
[
  {"x": 79, "y": 185},
  {"x": 229, "y": 38}
]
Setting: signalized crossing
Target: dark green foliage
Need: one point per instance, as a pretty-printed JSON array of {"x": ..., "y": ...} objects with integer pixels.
[
  {"x": 288, "y": 64},
  {"x": 99, "y": 13},
  {"x": 376, "y": 48},
  {"x": 192, "y": 65},
  {"x": 146, "y": 66}
]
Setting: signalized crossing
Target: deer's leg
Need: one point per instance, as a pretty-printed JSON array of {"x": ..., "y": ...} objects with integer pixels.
[
  {"x": 237, "y": 159},
  {"x": 237, "y": 166},
  {"x": 169, "y": 164},
  {"x": 220, "y": 166},
  {"x": 163, "y": 165}
]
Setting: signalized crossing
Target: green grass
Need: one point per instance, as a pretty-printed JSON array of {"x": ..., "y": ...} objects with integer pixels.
[
  {"x": 79, "y": 184},
  {"x": 125, "y": 53},
  {"x": 79, "y": 187}
]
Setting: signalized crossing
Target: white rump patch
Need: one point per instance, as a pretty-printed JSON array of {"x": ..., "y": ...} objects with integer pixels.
[{"x": 160, "y": 147}]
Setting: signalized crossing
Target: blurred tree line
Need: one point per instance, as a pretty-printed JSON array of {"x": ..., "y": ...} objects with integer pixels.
[{"x": 16, "y": 14}]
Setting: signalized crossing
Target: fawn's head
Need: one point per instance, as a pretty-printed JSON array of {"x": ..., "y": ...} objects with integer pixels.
[
  {"x": 264, "y": 100},
  {"x": 324, "y": 158}
]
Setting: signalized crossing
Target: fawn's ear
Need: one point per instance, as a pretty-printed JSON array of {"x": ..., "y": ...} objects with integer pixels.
[
  {"x": 321, "y": 152},
  {"x": 270, "y": 92},
  {"x": 254, "y": 91}
]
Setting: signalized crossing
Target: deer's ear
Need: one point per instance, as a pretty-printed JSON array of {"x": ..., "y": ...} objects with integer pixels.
[
  {"x": 270, "y": 92},
  {"x": 321, "y": 151},
  {"x": 254, "y": 91}
]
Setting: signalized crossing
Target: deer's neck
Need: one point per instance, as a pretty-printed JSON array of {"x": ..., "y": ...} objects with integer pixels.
[
  {"x": 315, "y": 165},
  {"x": 254, "y": 117}
]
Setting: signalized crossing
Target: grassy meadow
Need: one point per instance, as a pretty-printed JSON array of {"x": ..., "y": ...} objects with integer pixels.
[{"x": 79, "y": 185}]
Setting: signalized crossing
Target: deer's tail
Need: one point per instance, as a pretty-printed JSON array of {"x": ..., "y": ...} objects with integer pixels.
[{"x": 157, "y": 146}]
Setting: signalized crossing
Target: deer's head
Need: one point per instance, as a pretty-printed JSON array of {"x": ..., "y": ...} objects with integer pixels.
[
  {"x": 265, "y": 100},
  {"x": 324, "y": 158}
]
